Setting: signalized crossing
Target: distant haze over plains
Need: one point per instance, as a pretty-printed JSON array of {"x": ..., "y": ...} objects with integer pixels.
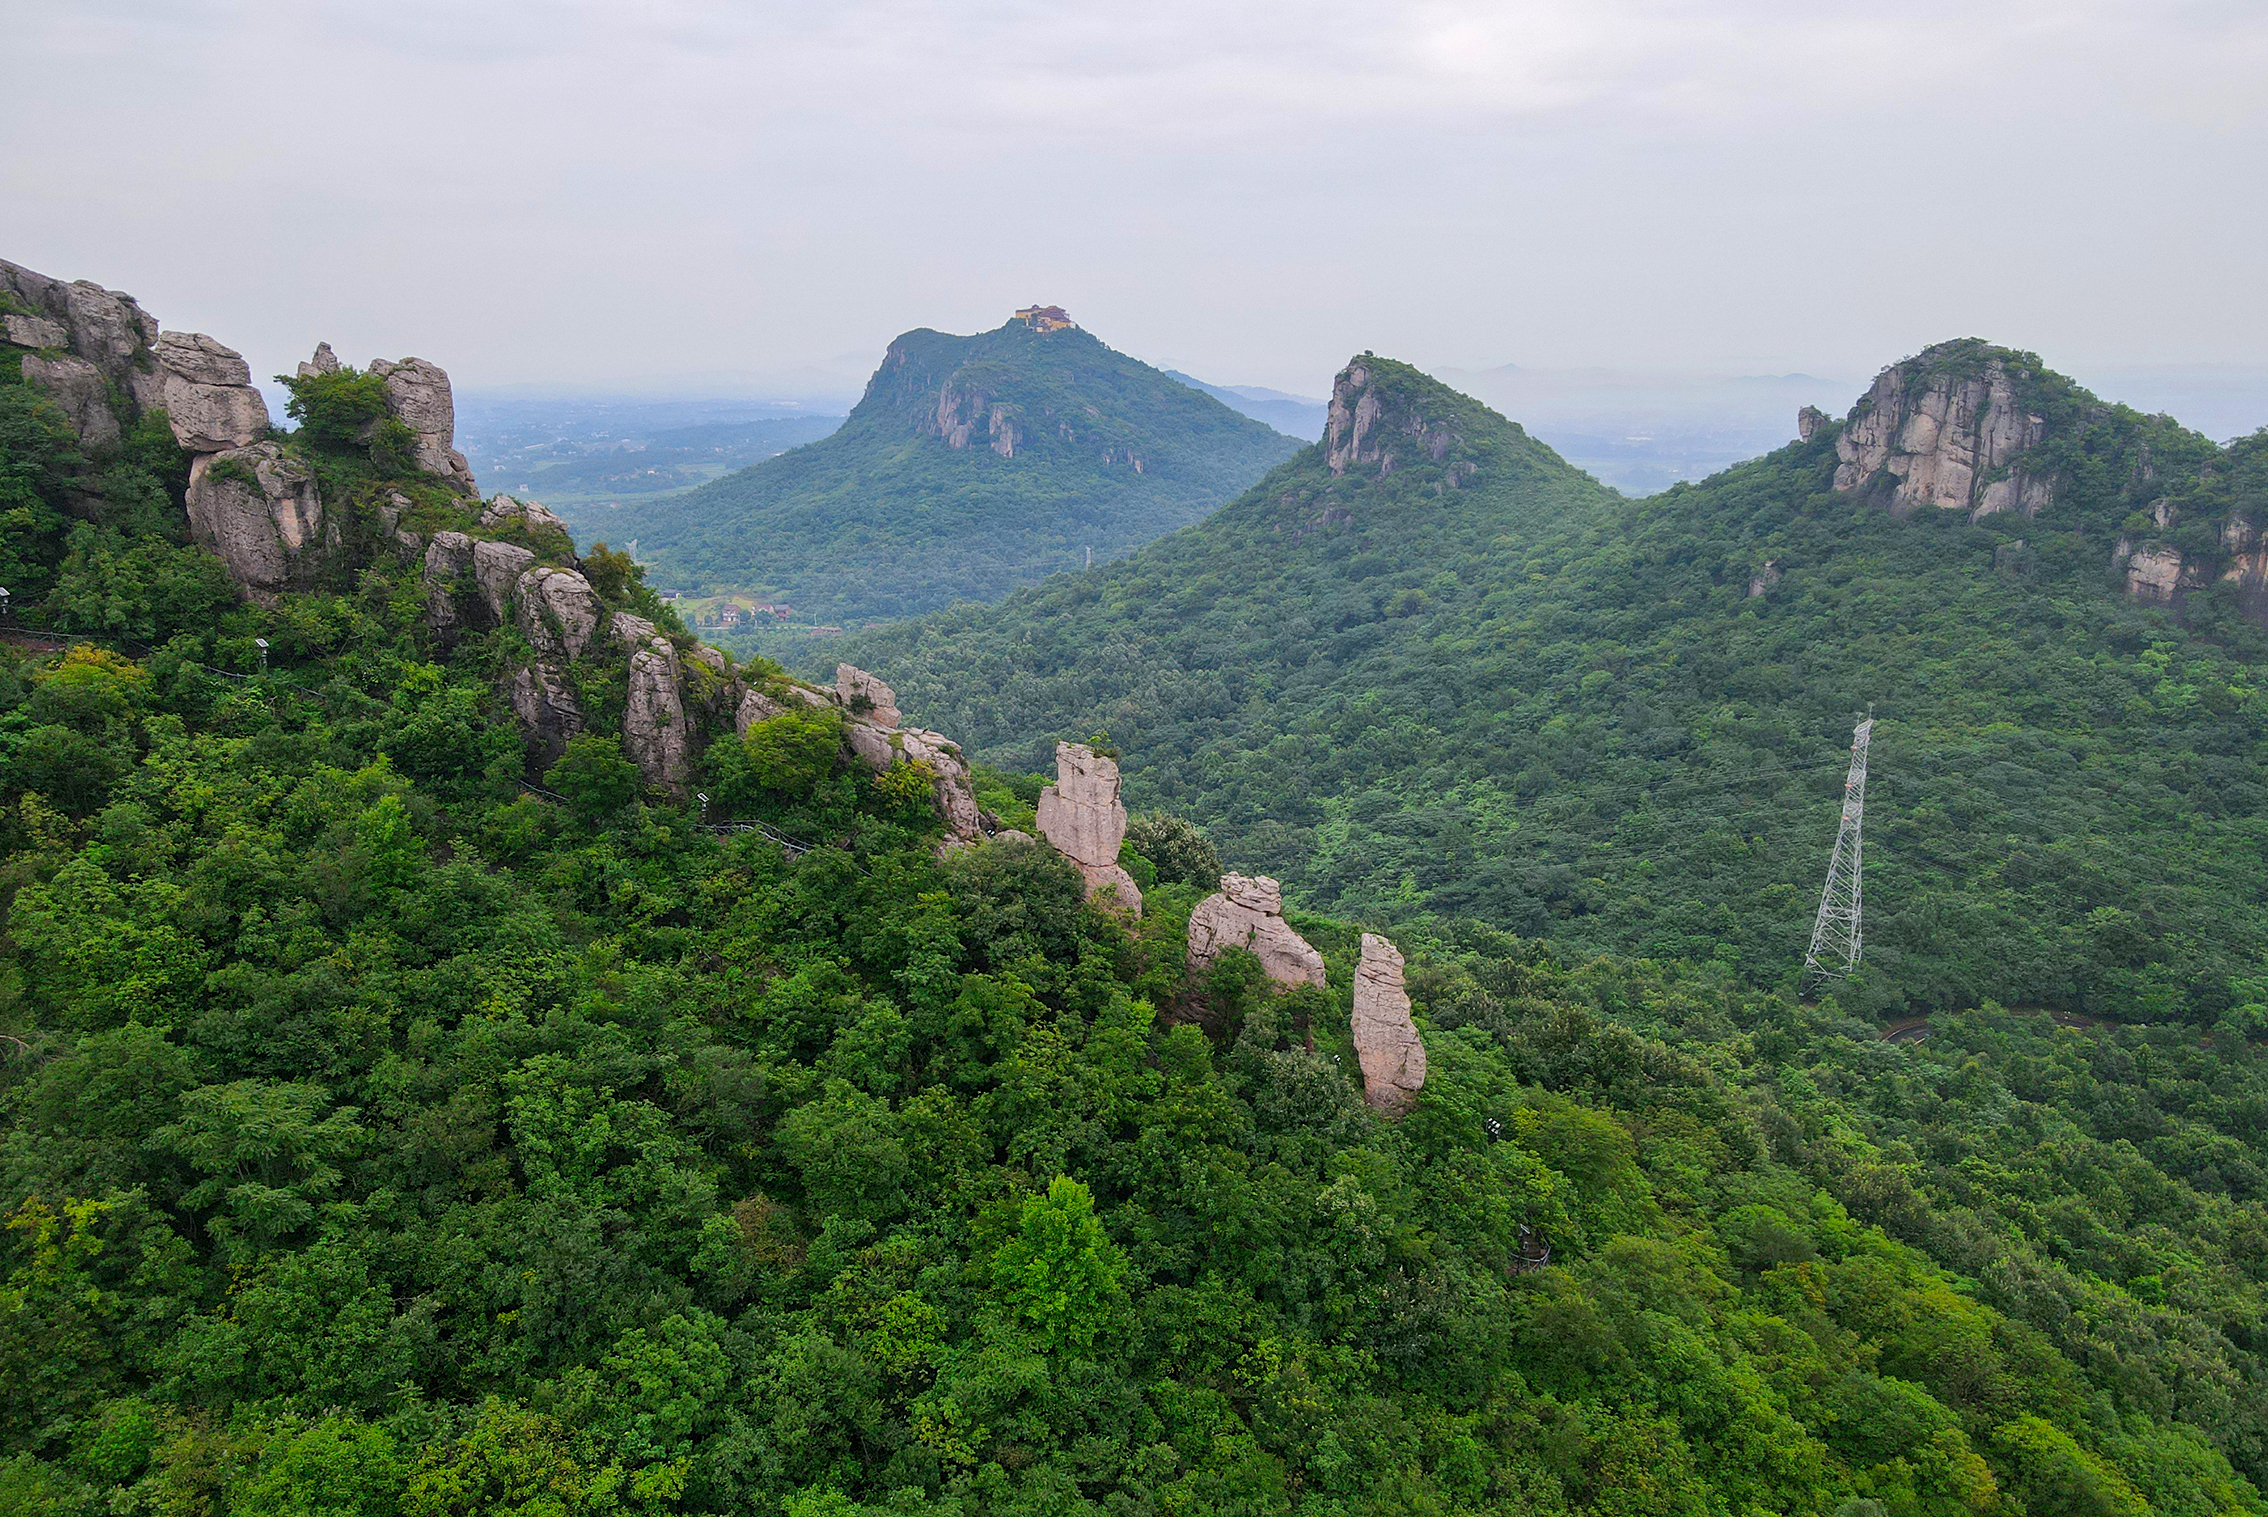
[{"x": 753, "y": 198}]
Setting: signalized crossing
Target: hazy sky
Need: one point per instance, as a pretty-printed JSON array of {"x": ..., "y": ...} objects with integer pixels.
[{"x": 684, "y": 194}]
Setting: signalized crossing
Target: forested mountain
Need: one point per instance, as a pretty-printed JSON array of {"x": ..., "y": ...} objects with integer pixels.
[
  {"x": 1425, "y": 668},
  {"x": 413, "y": 1103},
  {"x": 971, "y": 466}
]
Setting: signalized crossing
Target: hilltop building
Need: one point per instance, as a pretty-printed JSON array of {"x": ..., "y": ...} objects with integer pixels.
[{"x": 1045, "y": 318}]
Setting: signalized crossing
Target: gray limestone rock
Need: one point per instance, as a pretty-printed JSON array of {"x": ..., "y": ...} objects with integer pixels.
[
  {"x": 504, "y": 511},
  {"x": 1082, "y": 816},
  {"x": 558, "y": 612},
  {"x": 654, "y": 730},
  {"x": 81, "y": 392},
  {"x": 1248, "y": 912},
  {"x": 448, "y": 563},
  {"x": 418, "y": 396},
  {"x": 547, "y": 710},
  {"x": 100, "y": 327},
  {"x": 865, "y": 697},
  {"x": 1385, "y": 1039},
  {"x": 1931, "y": 435},
  {"x": 206, "y": 390},
  {"x": 34, "y": 331},
  {"x": 324, "y": 362},
  {"x": 1365, "y": 428},
  {"x": 409, "y": 546},
  {"x": 497, "y": 568},
  {"x": 755, "y": 706},
  {"x": 1808, "y": 421},
  {"x": 951, "y": 789},
  {"x": 259, "y": 511}
]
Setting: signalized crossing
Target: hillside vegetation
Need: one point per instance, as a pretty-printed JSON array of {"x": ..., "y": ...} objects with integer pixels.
[
  {"x": 383, "y": 1137},
  {"x": 973, "y": 465},
  {"x": 1480, "y": 685}
]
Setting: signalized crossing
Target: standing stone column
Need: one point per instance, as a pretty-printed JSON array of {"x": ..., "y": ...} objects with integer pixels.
[
  {"x": 1081, "y": 815},
  {"x": 1385, "y": 1039}
]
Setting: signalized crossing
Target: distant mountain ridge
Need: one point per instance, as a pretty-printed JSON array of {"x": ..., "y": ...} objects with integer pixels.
[
  {"x": 1427, "y": 668},
  {"x": 1293, "y": 415},
  {"x": 971, "y": 466}
]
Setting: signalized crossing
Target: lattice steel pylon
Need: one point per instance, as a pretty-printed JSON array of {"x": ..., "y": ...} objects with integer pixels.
[{"x": 1835, "y": 935}]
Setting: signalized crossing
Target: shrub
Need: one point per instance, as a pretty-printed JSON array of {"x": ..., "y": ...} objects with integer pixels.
[
  {"x": 336, "y": 411},
  {"x": 1179, "y": 850}
]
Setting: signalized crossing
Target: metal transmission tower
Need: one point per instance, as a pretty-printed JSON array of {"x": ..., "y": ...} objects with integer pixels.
[{"x": 1835, "y": 935}]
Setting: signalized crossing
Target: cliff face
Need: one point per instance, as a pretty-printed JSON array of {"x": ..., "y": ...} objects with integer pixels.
[
  {"x": 1376, "y": 426},
  {"x": 1945, "y": 429}
]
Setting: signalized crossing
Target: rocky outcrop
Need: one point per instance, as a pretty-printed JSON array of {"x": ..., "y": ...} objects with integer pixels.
[
  {"x": 558, "y": 612},
  {"x": 95, "y": 349},
  {"x": 324, "y": 362},
  {"x": 547, "y": 710},
  {"x": 33, "y": 331},
  {"x": 1764, "y": 579},
  {"x": 654, "y": 731},
  {"x": 81, "y": 392},
  {"x": 418, "y": 396},
  {"x": 865, "y": 697},
  {"x": 1945, "y": 429},
  {"x": 2155, "y": 573},
  {"x": 1808, "y": 421},
  {"x": 505, "y": 513},
  {"x": 206, "y": 390},
  {"x": 1248, "y": 912},
  {"x": 448, "y": 566},
  {"x": 497, "y": 568},
  {"x": 1081, "y": 815},
  {"x": 1366, "y": 428},
  {"x": 962, "y": 409},
  {"x": 1385, "y": 1039},
  {"x": 880, "y": 743},
  {"x": 258, "y": 510},
  {"x": 2160, "y": 573}
]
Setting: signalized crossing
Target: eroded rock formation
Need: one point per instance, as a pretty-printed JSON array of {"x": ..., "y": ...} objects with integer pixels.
[
  {"x": 2160, "y": 572},
  {"x": 1808, "y": 421},
  {"x": 206, "y": 390},
  {"x": 1368, "y": 428},
  {"x": 418, "y": 396},
  {"x": 866, "y": 697},
  {"x": 1248, "y": 912},
  {"x": 880, "y": 743},
  {"x": 94, "y": 343},
  {"x": 654, "y": 731},
  {"x": 505, "y": 512},
  {"x": 1081, "y": 815},
  {"x": 259, "y": 512},
  {"x": 1945, "y": 429},
  {"x": 1386, "y": 1040}
]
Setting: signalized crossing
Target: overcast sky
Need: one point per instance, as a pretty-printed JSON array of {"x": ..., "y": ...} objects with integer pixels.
[{"x": 697, "y": 196}]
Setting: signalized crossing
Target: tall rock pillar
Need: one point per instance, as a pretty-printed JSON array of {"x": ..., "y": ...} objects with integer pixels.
[
  {"x": 1081, "y": 815},
  {"x": 1385, "y": 1039}
]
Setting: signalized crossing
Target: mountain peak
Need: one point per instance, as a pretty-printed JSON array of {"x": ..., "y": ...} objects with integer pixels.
[
  {"x": 1385, "y": 414},
  {"x": 1953, "y": 427}
]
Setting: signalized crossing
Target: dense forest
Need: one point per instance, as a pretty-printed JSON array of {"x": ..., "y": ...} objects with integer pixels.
[
  {"x": 973, "y": 465},
  {"x": 389, "y": 1130},
  {"x": 1482, "y": 686}
]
